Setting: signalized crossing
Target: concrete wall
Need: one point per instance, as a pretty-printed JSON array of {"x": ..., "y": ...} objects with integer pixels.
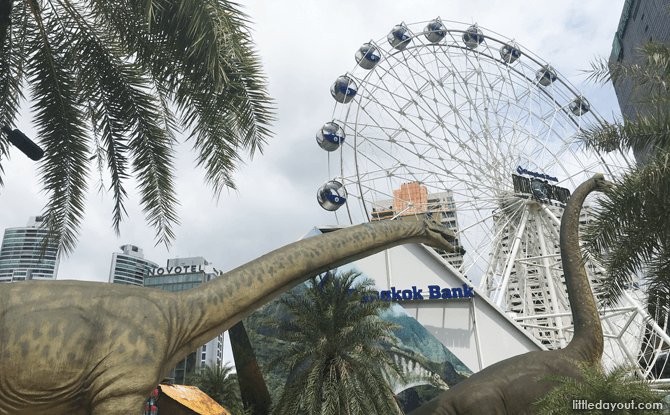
[{"x": 647, "y": 20}]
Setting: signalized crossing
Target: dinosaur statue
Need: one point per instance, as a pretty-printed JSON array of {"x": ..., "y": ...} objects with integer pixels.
[
  {"x": 75, "y": 348},
  {"x": 511, "y": 386}
]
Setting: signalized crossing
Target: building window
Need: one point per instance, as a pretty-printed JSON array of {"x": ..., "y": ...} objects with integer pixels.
[{"x": 637, "y": 7}]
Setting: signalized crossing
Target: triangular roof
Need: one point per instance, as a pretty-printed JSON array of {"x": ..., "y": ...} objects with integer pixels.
[
  {"x": 477, "y": 331},
  {"x": 194, "y": 399}
]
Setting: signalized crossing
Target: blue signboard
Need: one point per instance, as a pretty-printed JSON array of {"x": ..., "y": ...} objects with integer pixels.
[
  {"x": 521, "y": 170},
  {"x": 434, "y": 292}
]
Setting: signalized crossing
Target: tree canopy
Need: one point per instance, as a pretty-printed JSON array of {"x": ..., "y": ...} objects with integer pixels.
[
  {"x": 601, "y": 392},
  {"x": 112, "y": 82},
  {"x": 630, "y": 231},
  {"x": 220, "y": 384},
  {"x": 336, "y": 360}
]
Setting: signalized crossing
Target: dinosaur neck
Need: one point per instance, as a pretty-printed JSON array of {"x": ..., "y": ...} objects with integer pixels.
[
  {"x": 587, "y": 342},
  {"x": 212, "y": 308}
]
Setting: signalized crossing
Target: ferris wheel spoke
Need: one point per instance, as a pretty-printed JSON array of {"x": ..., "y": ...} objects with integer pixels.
[
  {"x": 504, "y": 224},
  {"x": 485, "y": 246},
  {"x": 403, "y": 114},
  {"x": 483, "y": 121},
  {"x": 416, "y": 91}
]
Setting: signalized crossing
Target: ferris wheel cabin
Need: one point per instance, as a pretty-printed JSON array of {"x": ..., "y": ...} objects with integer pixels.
[
  {"x": 330, "y": 136},
  {"x": 344, "y": 89},
  {"x": 546, "y": 75},
  {"x": 332, "y": 195},
  {"x": 579, "y": 106},
  {"x": 399, "y": 37},
  {"x": 435, "y": 31},
  {"x": 367, "y": 56},
  {"x": 510, "y": 52},
  {"x": 473, "y": 37}
]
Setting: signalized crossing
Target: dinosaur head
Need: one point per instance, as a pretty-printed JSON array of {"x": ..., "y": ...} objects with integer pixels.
[
  {"x": 602, "y": 185},
  {"x": 440, "y": 236}
]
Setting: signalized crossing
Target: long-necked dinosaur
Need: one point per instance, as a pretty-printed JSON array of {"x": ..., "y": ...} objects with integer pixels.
[
  {"x": 75, "y": 348},
  {"x": 511, "y": 386}
]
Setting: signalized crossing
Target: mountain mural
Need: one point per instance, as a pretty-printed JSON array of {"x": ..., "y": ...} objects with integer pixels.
[{"x": 413, "y": 336}]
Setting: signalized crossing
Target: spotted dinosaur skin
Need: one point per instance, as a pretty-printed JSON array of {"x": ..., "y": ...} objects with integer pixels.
[
  {"x": 511, "y": 386},
  {"x": 74, "y": 348}
]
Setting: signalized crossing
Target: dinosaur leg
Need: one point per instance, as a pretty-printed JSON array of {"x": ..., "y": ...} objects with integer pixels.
[{"x": 121, "y": 405}]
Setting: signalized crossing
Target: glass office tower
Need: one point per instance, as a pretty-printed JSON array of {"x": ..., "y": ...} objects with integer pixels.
[
  {"x": 21, "y": 254},
  {"x": 129, "y": 266}
]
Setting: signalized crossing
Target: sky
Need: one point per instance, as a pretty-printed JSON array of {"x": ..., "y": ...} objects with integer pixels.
[{"x": 304, "y": 46}]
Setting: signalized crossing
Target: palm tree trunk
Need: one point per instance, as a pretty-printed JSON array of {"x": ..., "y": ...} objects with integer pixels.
[
  {"x": 255, "y": 394},
  {"x": 5, "y": 21}
]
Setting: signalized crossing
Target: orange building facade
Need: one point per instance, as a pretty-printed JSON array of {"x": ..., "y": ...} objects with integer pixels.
[{"x": 413, "y": 202}]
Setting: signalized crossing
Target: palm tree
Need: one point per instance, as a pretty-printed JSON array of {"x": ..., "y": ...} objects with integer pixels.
[
  {"x": 616, "y": 391},
  {"x": 111, "y": 82},
  {"x": 336, "y": 360},
  {"x": 220, "y": 384},
  {"x": 630, "y": 233}
]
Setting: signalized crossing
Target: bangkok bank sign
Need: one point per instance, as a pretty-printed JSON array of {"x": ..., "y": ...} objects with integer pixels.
[{"x": 434, "y": 293}]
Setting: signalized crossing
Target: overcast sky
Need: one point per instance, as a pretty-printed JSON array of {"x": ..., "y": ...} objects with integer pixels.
[{"x": 304, "y": 45}]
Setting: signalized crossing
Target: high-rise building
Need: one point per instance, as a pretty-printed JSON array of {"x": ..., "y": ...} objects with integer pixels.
[
  {"x": 641, "y": 21},
  {"x": 412, "y": 200},
  {"x": 21, "y": 256},
  {"x": 182, "y": 274},
  {"x": 129, "y": 266}
]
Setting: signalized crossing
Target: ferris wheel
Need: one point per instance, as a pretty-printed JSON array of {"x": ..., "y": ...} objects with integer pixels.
[{"x": 447, "y": 121}]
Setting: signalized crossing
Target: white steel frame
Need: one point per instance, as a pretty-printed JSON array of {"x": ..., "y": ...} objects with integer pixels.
[{"x": 451, "y": 117}]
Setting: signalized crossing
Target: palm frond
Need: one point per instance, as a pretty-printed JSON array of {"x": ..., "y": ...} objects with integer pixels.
[
  {"x": 649, "y": 74},
  {"x": 61, "y": 131},
  {"x": 649, "y": 70},
  {"x": 153, "y": 155},
  {"x": 236, "y": 116},
  {"x": 122, "y": 107},
  {"x": 12, "y": 57},
  {"x": 122, "y": 66},
  {"x": 643, "y": 135},
  {"x": 627, "y": 235}
]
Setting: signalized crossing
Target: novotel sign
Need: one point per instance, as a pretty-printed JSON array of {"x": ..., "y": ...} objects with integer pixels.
[
  {"x": 184, "y": 269},
  {"x": 434, "y": 293}
]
